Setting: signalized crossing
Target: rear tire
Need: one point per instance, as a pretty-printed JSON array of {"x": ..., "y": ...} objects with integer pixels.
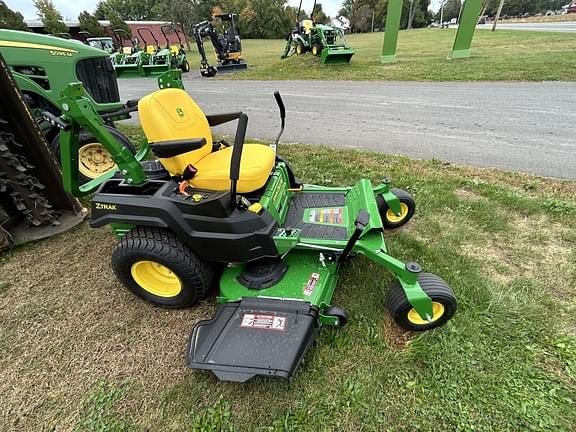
[
  {"x": 444, "y": 304},
  {"x": 158, "y": 267},
  {"x": 185, "y": 66},
  {"x": 300, "y": 48}
]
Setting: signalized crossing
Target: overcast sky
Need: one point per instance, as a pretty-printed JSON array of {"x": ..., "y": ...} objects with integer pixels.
[{"x": 72, "y": 8}]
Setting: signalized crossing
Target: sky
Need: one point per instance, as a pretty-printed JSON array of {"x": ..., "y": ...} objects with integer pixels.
[{"x": 72, "y": 8}]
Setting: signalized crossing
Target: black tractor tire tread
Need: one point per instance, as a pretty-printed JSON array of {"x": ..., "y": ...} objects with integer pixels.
[{"x": 171, "y": 251}]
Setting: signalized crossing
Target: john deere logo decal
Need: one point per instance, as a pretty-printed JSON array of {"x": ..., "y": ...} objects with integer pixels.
[{"x": 180, "y": 112}]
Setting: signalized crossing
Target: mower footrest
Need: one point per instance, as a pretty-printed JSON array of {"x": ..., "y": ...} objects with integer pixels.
[{"x": 256, "y": 336}]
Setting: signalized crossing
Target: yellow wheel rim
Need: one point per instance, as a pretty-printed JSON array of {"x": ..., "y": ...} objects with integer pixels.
[
  {"x": 315, "y": 50},
  {"x": 392, "y": 218},
  {"x": 299, "y": 49},
  {"x": 156, "y": 279},
  {"x": 94, "y": 160},
  {"x": 437, "y": 312}
]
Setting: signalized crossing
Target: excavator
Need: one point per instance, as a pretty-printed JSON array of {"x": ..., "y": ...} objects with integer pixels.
[{"x": 227, "y": 45}]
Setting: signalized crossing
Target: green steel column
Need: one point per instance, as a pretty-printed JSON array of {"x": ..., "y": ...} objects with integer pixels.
[
  {"x": 466, "y": 27},
  {"x": 391, "y": 31}
]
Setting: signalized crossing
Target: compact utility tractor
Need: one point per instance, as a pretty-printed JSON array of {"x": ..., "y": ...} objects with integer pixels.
[
  {"x": 327, "y": 42},
  {"x": 177, "y": 52},
  {"x": 236, "y": 216},
  {"x": 227, "y": 45},
  {"x": 42, "y": 67}
]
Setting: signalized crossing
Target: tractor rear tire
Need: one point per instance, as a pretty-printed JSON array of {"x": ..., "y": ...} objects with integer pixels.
[
  {"x": 444, "y": 304},
  {"x": 185, "y": 66},
  {"x": 86, "y": 138},
  {"x": 158, "y": 267},
  {"x": 407, "y": 209},
  {"x": 300, "y": 48}
]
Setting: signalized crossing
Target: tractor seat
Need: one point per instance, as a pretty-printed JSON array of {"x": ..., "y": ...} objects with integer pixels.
[{"x": 180, "y": 135}]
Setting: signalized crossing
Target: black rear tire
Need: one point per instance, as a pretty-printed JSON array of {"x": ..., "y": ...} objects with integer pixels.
[
  {"x": 300, "y": 48},
  {"x": 407, "y": 204},
  {"x": 443, "y": 301},
  {"x": 163, "y": 249}
]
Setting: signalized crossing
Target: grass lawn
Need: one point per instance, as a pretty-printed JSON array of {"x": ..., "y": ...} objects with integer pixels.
[
  {"x": 422, "y": 55},
  {"x": 78, "y": 352}
]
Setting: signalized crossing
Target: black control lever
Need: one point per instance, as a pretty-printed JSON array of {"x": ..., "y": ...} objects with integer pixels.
[
  {"x": 282, "y": 117},
  {"x": 56, "y": 121},
  {"x": 361, "y": 222}
]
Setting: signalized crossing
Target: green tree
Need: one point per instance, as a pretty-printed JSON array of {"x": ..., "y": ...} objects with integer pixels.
[
  {"x": 346, "y": 8},
  {"x": 50, "y": 17},
  {"x": 131, "y": 10},
  {"x": 11, "y": 20},
  {"x": 319, "y": 16},
  {"x": 89, "y": 23},
  {"x": 116, "y": 22}
]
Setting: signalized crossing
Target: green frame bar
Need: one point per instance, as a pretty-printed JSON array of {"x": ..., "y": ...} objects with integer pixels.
[
  {"x": 393, "y": 14},
  {"x": 468, "y": 20}
]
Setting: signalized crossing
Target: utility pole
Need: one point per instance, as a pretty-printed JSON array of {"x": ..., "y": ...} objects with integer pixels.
[
  {"x": 372, "y": 20},
  {"x": 442, "y": 13},
  {"x": 497, "y": 17}
]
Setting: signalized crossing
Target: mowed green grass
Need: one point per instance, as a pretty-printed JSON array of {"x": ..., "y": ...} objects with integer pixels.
[
  {"x": 422, "y": 55},
  {"x": 78, "y": 352}
]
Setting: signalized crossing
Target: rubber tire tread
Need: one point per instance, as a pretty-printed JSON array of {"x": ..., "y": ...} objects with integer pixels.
[
  {"x": 436, "y": 288},
  {"x": 404, "y": 197},
  {"x": 197, "y": 276}
]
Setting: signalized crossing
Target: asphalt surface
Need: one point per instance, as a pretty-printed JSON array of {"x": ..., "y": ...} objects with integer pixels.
[
  {"x": 526, "y": 127},
  {"x": 565, "y": 27}
]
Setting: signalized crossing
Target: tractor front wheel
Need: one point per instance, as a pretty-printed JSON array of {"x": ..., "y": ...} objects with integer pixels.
[
  {"x": 316, "y": 49},
  {"x": 443, "y": 304},
  {"x": 93, "y": 159},
  {"x": 300, "y": 48},
  {"x": 158, "y": 267},
  {"x": 407, "y": 209}
]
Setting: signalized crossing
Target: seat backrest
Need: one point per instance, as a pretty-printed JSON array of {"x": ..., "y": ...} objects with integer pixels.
[
  {"x": 174, "y": 49},
  {"x": 126, "y": 50},
  {"x": 169, "y": 115},
  {"x": 150, "y": 49}
]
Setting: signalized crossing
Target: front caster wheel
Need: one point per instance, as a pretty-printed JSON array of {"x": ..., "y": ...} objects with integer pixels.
[
  {"x": 338, "y": 312},
  {"x": 407, "y": 209},
  {"x": 157, "y": 266},
  {"x": 443, "y": 304}
]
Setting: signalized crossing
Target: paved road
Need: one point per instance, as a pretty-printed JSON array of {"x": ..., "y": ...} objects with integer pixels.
[
  {"x": 569, "y": 27},
  {"x": 527, "y": 127}
]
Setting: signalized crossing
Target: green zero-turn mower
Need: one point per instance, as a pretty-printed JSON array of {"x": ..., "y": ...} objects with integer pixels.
[
  {"x": 42, "y": 67},
  {"x": 177, "y": 52},
  {"x": 237, "y": 217},
  {"x": 322, "y": 40},
  {"x": 157, "y": 60}
]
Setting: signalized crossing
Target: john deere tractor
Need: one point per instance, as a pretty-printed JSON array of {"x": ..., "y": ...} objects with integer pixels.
[
  {"x": 325, "y": 41},
  {"x": 43, "y": 66}
]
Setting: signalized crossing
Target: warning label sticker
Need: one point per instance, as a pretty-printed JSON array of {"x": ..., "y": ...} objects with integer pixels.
[
  {"x": 264, "y": 322},
  {"x": 309, "y": 288},
  {"x": 326, "y": 215}
]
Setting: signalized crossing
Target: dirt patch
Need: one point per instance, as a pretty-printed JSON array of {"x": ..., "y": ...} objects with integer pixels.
[
  {"x": 395, "y": 337},
  {"x": 67, "y": 323},
  {"x": 469, "y": 195}
]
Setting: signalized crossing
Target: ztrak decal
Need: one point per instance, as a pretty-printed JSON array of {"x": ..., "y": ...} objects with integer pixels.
[
  {"x": 263, "y": 322},
  {"x": 102, "y": 206},
  {"x": 309, "y": 288}
]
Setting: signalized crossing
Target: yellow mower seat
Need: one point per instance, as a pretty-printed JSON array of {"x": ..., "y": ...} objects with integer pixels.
[{"x": 172, "y": 115}]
